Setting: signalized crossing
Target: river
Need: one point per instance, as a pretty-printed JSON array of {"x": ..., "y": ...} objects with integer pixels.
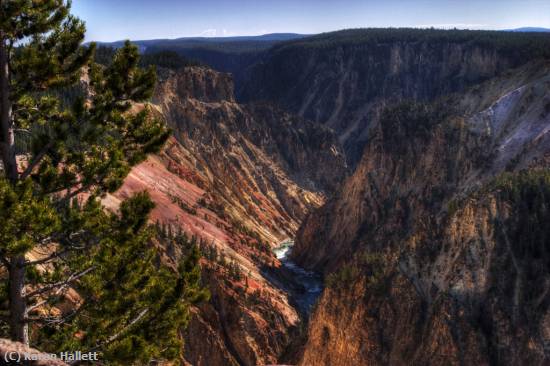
[{"x": 307, "y": 286}]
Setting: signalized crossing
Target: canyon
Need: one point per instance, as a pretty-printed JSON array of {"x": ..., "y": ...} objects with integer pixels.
[
  {"x": 375, "y": 196},
  {"x": 410, "y": 167},
  {"x": 239, "y": 179}
]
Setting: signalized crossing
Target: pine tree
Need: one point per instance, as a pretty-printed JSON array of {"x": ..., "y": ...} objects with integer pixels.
[
  {"x": 222, "y": 259},
  {"x": 52, "y": 153},
  {"x": 169, "y": 233},
  {"x": 135, "y": 309}
]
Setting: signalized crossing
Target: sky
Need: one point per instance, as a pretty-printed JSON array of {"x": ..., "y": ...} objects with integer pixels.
[{"x": 110, "y": 20}]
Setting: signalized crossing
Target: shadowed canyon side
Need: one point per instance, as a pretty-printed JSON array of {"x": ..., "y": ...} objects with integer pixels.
[
  {"x": 436, "y": 249},
  {"x": 240, "y": 179},
  {"x": 345, "y": 79}
]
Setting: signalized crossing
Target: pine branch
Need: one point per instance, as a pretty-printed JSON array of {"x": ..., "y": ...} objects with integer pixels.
[
  {"x": 59, "y": 285},
  {"x": 116, "y": 336},
  {"x": 121, "y": 332},
  {"x": 60, "y": 239},
  {"x": 37, "y": 159},
  {"x": 4, "y": 260},
  {"x": 36, "y": 306},
  {"x": 47, "y": 259},
  {"x": 60, "y": 291},
  {"x": 75, "y": 193},
  {"x": 78, "y": 191}
]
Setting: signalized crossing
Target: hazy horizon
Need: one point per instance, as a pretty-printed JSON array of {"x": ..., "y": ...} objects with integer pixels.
[{"x": 109, "y": 21}]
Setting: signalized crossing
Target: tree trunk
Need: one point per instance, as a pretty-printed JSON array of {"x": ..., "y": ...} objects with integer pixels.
[
  {"x": 7, "y": 133},
  {"x": 18, "y": 306}
]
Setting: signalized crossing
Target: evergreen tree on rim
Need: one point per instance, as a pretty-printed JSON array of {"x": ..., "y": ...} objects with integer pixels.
[{"x": 57, "y": 162}]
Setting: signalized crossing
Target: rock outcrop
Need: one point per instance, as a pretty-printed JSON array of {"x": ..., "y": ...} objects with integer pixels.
[
  {"x": 345, "y": 79},
  {"x": 436, "y": 249},
  {"x": 240, "y": 179},
  {"x": 255, "y": 155},
  {"x": 13, "y": 353}
]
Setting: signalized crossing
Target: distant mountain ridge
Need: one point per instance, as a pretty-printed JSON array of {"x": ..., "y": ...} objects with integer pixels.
[
  {"x": 227, "y": 54},
  {"x": 192, "y": 42},
  {"x": 529, "y": 30}
]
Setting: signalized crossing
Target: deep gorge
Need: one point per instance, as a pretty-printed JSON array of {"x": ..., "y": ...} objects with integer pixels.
[
  {"x": 360, "y": 197},
  {"x": 418, "y": 125}
]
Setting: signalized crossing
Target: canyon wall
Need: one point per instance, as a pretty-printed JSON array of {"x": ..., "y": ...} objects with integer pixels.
[
  {"x": 433, "y": 243},
  {"x": 344, "y": 79},
  {"x": 435, "y": 250},
  {"x": 240, "y": 179}
]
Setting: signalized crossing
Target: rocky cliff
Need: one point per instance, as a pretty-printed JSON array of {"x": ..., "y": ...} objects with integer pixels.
[
  {"x": 436, "y": 249},
  {"x": 239, "y": 179},
  {"x": 344, "y": 79},
  {"x": 276, "y": 158}
]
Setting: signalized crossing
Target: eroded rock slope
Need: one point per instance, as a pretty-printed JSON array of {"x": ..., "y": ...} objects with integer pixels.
[
  {"x": 437, "y": 249},
  {"x": 239, "y": 179},
  {"x": 345, "y": 79}
]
